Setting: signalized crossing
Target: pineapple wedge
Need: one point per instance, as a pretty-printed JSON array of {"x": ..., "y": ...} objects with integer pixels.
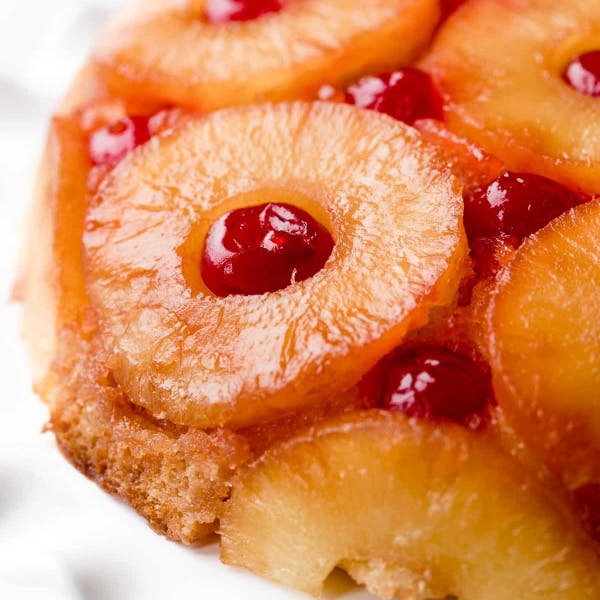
[
  {"x": 544, "y": 341},
  {"x": 409, "y": 508}
]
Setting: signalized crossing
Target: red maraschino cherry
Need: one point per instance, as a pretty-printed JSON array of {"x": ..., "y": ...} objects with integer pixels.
[
  {"x": 583, "y": 73},
  {"x": 517, "y": 205},
  {"x": 437, "y": 383},
  {"x": 407, "y": 94},
  {"x": 263, "y": 249},
  {"x": 226, "y": 11},
  {"x": 110, "y": 144}
]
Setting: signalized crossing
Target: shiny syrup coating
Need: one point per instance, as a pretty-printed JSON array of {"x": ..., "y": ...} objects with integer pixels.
[
  {"x": 226, "y": 11},
  {"x": 435, "y": 382},
  {"x": 110, "y": 144},
  {"x": 407, "y": 94},
  {"x": 583, "y": 73},
  {"x": 262, "y": 249}
]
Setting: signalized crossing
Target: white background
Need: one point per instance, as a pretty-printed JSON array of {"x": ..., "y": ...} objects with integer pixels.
[{"x": 61, "y": 538}]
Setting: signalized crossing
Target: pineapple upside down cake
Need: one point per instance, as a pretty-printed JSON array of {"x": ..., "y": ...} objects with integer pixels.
[{"x": 323, "y": 277}]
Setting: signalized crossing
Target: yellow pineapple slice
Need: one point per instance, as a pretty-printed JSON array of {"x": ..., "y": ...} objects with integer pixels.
[
  {"x": 409, "y": 508},
  {"x": 166, "y": 49},
  {"x": 197, "y": 359},
  {"x": 544, "y": 343},
  {"x": 498, "y": 65}
]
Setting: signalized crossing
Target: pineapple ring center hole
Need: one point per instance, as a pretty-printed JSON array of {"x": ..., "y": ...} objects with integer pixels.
[
  {"x": 565, "y": 61},
  {"x": 257, "y": 242}
]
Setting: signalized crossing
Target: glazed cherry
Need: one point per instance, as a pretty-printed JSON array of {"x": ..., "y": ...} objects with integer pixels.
[
  {"x": 583, "y": 73},
  {"x": 516, "y": 205},
  {"x": 263, "y": 249},
  {"x": 225, "y": 11},
  {"x": 490, "y": 254},
  {"x": 110, "y": 144},
  {"x": 437, "y": 383},
  {"x": 407, "y": 94}
]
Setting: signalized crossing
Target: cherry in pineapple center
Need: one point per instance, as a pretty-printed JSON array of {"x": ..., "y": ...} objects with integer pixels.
[
  {"x": 583, "y": 73},
  {"x": 263, "y": 248}
]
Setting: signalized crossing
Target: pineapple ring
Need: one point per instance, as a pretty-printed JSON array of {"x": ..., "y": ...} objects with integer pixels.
[
  {"x": 499, "y": 66},
  {"x": 283, "y": 56},
  {"x": 544, "y": 339},
  {"x": 195, "y": 359},
  {"x": 410, "y": 508}
]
